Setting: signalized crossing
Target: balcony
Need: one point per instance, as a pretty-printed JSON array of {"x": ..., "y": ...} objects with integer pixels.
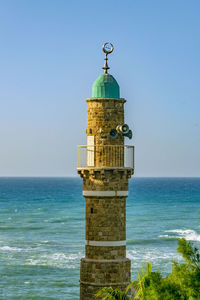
[{"x": 105, "y": 156}]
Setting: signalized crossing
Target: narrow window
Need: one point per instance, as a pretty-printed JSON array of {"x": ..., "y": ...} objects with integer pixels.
[{"x": 91, "y": 210}]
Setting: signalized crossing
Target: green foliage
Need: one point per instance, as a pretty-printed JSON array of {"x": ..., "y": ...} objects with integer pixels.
[
  {"x": 189, "y": 253},
  {"x": 108, "y": 293},
  {"x": 182, "y": 284}
]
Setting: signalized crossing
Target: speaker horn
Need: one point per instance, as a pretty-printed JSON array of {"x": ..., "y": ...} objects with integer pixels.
[
  {"x": 113, "y": 133},
  {"x": 129, "y": 134},
  {"x": 123, "y": 128}
]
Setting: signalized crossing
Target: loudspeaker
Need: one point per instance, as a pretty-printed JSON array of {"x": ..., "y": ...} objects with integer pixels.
[
  {"x": 129, "y": 134},
  {"x": 113, "y": 133},
  {"x": 123, "y": 128}
]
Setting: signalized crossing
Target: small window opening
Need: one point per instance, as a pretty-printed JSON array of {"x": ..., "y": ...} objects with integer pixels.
[{"x": 91, "y": 210}]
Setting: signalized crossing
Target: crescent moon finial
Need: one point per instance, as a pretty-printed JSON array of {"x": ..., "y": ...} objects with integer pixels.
[{"x": 107, "y": 49}]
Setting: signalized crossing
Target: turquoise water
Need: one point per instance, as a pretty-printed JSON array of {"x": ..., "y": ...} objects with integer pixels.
[{"x": 42, "y": 231}]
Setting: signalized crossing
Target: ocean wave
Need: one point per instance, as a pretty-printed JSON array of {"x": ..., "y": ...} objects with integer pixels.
[
  {"x": 157, "y": 240},
  {"x": 167, "y": 237},
  {"x": 8, "y": 228},
  {"x": 8, "y": 248},
  {"x": 19, "y": 227},
  {"x": 142, "y": 241},
  {"x": 60, "y": 260},
  {"x": 188, "y": 234},
  {"x": 154, "y": 255},
  {"x": 17, "y": 249},
  {"x": 164, "y": 236}
]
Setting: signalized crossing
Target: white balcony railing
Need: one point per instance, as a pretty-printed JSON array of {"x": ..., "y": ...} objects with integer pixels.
[{"x": 102, "y": 156}]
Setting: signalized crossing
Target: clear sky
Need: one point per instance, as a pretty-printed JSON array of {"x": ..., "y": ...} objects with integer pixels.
[{"x": 50, "y": 54}]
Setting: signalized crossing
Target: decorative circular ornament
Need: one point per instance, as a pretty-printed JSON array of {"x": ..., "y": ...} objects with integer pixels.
[{"x": 108, "y": 48}]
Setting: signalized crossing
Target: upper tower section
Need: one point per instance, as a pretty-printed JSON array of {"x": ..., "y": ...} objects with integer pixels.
[{"x": 106, "y": 130}]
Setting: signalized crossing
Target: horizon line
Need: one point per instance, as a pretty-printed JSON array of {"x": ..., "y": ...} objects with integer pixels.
[{"x": 76, "y": 176}]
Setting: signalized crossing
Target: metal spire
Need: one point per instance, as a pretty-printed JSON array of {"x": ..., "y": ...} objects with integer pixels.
[{"x": 107, "y": 49}]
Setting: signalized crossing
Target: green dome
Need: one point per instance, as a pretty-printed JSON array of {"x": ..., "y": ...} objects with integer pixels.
[{"x": 105, "y": 87}]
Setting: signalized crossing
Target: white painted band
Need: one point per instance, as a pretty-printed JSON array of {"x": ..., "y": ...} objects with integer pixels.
[
  {"x": 122, "y": 193},
  {"x": 105, "y": 243},
  {"x": 105, "y": 193}
]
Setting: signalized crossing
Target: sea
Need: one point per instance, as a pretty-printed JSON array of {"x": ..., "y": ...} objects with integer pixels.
[{"x": 42, "y": 231}]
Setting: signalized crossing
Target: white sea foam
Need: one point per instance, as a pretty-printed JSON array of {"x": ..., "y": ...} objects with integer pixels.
[
  {"x": 161, "y": 259},
  {"x": 60, "y": 260},
  {"x": 16, "y": 249},
  {"x": 7, "y": 248},
  {"x": 188, "y": 234},
  {"x": 153, "y": 255}
]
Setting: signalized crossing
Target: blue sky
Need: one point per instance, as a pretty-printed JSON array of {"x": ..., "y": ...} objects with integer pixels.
[{"x": 50, "y": 55}]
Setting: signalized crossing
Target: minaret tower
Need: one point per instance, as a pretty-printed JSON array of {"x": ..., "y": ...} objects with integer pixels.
[{"x": 105, "y": 165}]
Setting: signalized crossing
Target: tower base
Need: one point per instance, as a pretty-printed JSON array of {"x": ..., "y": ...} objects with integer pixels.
[{"x": 96, "y": 274}]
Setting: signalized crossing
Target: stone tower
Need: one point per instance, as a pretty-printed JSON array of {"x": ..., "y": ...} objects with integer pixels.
[{"x": 105, "y": 165}]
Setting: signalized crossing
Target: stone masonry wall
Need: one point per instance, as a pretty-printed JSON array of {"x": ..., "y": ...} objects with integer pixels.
[
  {"x": 105, "y": 272},
  {"x": 104, "y": 252},
  {"x": 105, "y": 262},
  {"x": 97, "y": 274},
  {"x": 105, "y": 219},
  {"x": 103, "y": 115},
  {"x": 105, "y": 179}
]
